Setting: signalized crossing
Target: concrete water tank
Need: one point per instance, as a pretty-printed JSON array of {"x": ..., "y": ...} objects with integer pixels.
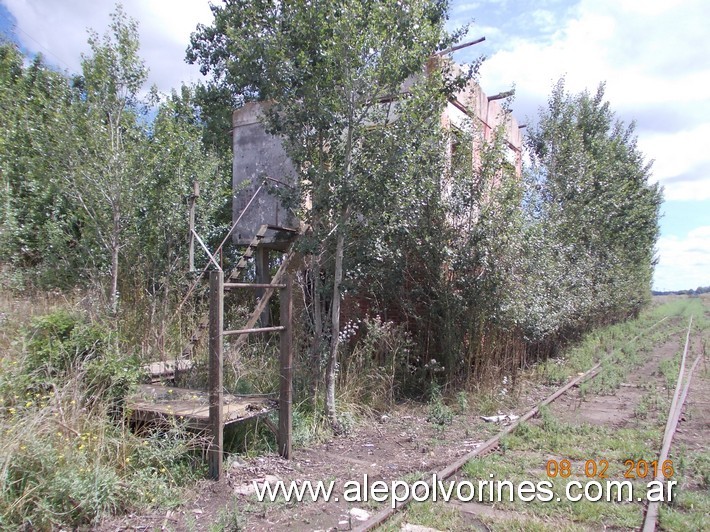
[{"x": 256, "y": 155}]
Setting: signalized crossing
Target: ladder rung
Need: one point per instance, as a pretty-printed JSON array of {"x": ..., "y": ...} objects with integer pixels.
[
  {"x": 253, "y": 285},
  {"x": 257, "y": 330},
  {"x": 284, "y": 229}
]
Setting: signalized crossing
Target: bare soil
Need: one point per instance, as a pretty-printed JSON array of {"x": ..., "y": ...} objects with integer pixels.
[
  {"x": 405, "y": 444},
  {"x": 402, "y": 444},
  {"x": 619, "y": 410}
]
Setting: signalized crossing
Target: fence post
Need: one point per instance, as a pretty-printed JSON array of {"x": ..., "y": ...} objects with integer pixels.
[
  {"x": 286, "y": 370},
  {"x": 215, "y": 378}
]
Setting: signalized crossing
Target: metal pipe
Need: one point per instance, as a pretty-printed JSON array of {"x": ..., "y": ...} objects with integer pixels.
[{"x": 460, "y": 46}]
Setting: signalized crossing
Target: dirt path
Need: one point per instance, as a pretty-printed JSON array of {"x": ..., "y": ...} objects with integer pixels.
[
  {"x": 585, "y": 427},
  {"x": 621, "y": 409},
  {"x": 406, "y": 445}
]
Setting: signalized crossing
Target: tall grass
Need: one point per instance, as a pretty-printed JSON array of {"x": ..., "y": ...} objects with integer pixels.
[{"x": 68, "y": 457}]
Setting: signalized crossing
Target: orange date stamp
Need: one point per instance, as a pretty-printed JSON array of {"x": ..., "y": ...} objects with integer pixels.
[{"x": 634, "y": 469}]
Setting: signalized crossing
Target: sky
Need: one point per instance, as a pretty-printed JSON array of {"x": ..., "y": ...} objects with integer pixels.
[{"x": 653, "y": 56}]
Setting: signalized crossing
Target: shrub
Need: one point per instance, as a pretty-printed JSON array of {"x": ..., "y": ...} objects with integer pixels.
[
  {"x": 64, "y": 345},
  {"x": 439, "y": 412}
]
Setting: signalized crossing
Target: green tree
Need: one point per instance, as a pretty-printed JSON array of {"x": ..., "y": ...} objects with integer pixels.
[
  {"x": 593, "y": 217},
  {"x": 106, "y": 174},
  {"x": 91, "y": 185},
  {"x": 156, "y": 240},
  {"x": 327, "y": 67},
  {"x": 39, "y": 225}
]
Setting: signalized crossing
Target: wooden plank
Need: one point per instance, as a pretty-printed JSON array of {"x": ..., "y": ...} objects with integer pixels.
[
  {"x": 286, "y": 371},
  {"x": 216, "y": 375},
  {"x": 253, "y": 285},
  {"x": 167, "y": 368},
  {"x": 263, "y": 277},
  {"x": 282, "y": 229},
  {"x": 242, "y": 264},
  {"x": 158, "y": 402}
]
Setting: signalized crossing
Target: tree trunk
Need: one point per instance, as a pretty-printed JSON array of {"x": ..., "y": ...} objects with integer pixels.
[
  {"x": 331, "y": 370},
  {"x": 115, "y": 248},
  {"x": 113, "y": 298},
  {"x": 317, "y": 344}
]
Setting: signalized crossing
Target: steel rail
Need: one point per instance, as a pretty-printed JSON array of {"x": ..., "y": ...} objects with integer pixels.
[
  {"x": 679, "y": 397},
  {"x": 384, "y": 515},
  {"x": 489, "y": 445}
]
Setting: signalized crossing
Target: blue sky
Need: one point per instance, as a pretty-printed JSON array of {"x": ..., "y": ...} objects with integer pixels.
[{"x": 654, "y": 56}]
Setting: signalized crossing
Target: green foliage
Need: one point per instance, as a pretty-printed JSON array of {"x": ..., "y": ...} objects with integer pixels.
[
  {"x": 591, "y": 220},
  {"x": 67, "y": 455},
  {"x": 62, "y": 346},
  {"x": 229, "y": 520},
  {"x": 325, "y": 68},
  {"x": 375, "y": 364},
  {"x": 439, "y": 412},
  {"x": 79, "y": 471},
  {"x": 462, "y": 403},
  {"x": 38, "y": 224},
  {"x": 93, "y": 190},
  {"x": 62, "y": 341}
]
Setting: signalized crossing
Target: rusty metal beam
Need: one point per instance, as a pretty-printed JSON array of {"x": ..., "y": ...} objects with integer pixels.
[
  {"x": 649, "y": 521},
  {"x": 460, "y": 46}
]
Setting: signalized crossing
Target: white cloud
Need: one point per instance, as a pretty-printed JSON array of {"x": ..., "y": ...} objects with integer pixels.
[
  {"x": 684, "y": 262},
  {"x": 651, "y": 66},
  {"x": 681, "y": 160},
  {"x": 649, "y": 7},
  {"x": 59, "y": 32}
]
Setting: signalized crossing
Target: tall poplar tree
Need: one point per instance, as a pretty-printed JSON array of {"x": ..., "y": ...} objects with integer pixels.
[
  {"x": 327, "y": 66},
  {"x": 108, "y": 177},
  {"x": 593, "y": 215}
]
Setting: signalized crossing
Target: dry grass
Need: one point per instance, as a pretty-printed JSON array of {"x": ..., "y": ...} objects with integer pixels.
[{"x": 67, "y": 454}]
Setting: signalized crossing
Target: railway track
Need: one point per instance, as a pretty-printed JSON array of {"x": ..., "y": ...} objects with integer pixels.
[{"x": 682, "y": 387}]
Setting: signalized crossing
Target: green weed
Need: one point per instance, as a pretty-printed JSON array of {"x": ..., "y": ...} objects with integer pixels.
[
  {"x": 229, "y": 520},
  {"x": 438, "y": 412},
  {"x": 67, "y": 455}
]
